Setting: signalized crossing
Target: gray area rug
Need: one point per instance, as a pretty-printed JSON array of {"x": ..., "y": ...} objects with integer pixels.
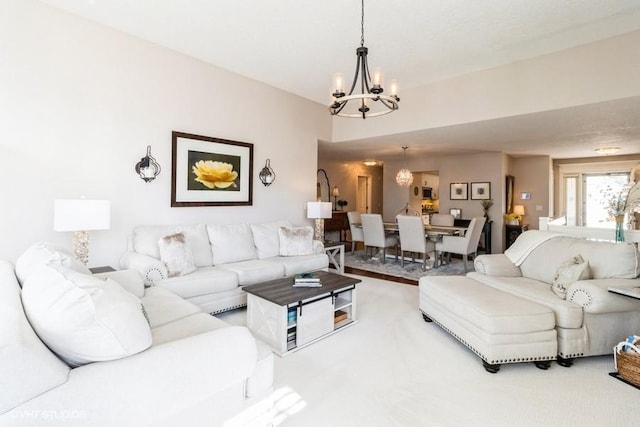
[{"x": 412, "y": 271}]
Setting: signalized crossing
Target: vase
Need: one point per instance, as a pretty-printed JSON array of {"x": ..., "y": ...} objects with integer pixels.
[{"x": 620, "y": 229}]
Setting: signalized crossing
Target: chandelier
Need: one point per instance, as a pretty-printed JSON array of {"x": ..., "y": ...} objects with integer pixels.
[
  {"x": 369, "y": 101},
  {"x": 404, "y": 178}
]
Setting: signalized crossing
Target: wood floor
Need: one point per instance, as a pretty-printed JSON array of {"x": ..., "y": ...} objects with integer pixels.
[{"x": 381, "y": 276}]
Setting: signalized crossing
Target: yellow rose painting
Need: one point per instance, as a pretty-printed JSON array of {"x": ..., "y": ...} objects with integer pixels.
[{"x": 215, "y": 175}]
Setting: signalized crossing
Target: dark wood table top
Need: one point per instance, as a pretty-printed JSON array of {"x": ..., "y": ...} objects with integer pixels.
[{"x": 282, "y": 292}]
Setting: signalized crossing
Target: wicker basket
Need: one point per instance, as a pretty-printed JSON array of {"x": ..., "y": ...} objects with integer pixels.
[{"x": 628, "y": 364}]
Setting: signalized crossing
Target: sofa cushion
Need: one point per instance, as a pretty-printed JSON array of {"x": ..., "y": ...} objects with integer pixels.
[
  {"x": 231, "y": 243},
  {"x": 44, "y": 253},
  {"x": 145, "y": 241},
  {"x": 265, "y": 238},
  {"x": 202, "y": 281},
  {"x": 186, "y": 327},
  {"x": 255, "y": 271},
  {"x": 163, "y": 306},
  {"x": 575, "y": 268},
  {"x": 84, "y": 319},
  {"x": 567, "y": 314},
  {"x": 176, "y": 254},
  {"x": 301, "y": 264},
  {"x": 296, "y": 241},
  {"x": 27, "y": 367},
  {"x": 606, "y": 259}
]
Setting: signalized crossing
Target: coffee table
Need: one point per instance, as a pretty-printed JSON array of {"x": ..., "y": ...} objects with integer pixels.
[{"x": 290, "y": 318}]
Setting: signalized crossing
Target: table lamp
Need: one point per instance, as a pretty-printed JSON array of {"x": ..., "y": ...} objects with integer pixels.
[
  {"x": 80, "y": 216},
  {"x": 336, "y": 194},
  {"x": 519, "y": 210},
  {"x": 319, "y": 211}
]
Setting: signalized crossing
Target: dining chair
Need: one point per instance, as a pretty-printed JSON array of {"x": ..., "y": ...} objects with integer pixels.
[
  {"x": 413, "y": 238},
  {"x": 356, "y": 232},
  {"x": 462, "y": 245},
  {"x": 442, "y": 219},
  {"x": 375, "y": 236}
]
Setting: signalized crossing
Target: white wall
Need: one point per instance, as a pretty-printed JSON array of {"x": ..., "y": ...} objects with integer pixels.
[{"x": 81, "y": 102}]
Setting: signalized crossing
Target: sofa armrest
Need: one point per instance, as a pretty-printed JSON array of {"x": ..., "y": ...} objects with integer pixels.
[
  {"x": 496, "y": 265},
  {"x": 593, "y": 295},
  {"x": 130, "y": 279},
  {"x": 151, "y": 386},
  {"x": 151, "y": 269},
  {"x": 318, "y": 247}
]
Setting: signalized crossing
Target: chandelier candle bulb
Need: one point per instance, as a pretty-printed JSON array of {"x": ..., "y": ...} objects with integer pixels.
[{"x": 378, "y": 78}]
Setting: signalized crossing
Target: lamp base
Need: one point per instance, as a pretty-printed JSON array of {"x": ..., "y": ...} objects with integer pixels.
[
  {"x": 319, "y": 231},
  {"x": 81, "y": 246}
]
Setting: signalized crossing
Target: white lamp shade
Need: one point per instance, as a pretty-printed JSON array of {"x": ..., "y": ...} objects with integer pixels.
[
  {"x": 81, "y": 215},
  {"x": 318, "y": 210}
]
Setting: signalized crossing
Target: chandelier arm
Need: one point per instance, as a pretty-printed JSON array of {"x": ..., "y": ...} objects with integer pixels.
[
  {"x": 355, "y": 77},
  {"x": 390, "y": 105}
]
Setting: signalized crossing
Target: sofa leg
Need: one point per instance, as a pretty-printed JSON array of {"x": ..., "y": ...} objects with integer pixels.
[
  {"x": 426, "y": 318},
  {"x": 543, "y": 364},
  {"x": 491, "y": 368},
  {"x": 565, "y": 363}
]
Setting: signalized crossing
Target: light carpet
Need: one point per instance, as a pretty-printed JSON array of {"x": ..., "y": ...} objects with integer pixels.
[
  {"x": 393, "y": 369},
  {"x": 411, "y": 270}
]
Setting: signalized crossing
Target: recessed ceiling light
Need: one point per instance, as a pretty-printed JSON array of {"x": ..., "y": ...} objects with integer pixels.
[
  {"x": 607, "y": 150},
  {"x": 372, "y": 163}
]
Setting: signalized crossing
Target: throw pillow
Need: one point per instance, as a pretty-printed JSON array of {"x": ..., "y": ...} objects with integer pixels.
[
  {"x": 176, "y": 254},
  {"x": 572, "y": 270},
  {"x": 296, "y": 241},
  {"x": 45, "y": 253},
  {"x": 82, "y": 318}
]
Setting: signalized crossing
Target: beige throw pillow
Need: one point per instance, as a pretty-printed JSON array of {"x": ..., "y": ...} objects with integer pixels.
[
  {"x": 296, "y": 241},
  {"x": 176, "y": 254},
  {"x": 572, "y": 270}
]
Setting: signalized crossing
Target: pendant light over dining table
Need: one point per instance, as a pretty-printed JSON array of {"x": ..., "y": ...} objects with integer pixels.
[
  {"x": 370, "y": 100},
  {"x": 404, "y": 178}
]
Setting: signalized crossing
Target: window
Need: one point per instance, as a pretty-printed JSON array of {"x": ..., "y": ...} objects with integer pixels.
[{"x": 582, "y": 191}]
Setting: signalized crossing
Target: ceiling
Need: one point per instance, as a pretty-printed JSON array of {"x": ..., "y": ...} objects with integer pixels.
[{"x": 297, "y": 45}]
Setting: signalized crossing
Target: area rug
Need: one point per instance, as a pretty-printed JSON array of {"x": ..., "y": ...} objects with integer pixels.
[{"x": 411, "y": 270}]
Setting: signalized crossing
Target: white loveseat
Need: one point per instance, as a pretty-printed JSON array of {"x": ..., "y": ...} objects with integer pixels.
[
  {"x": 507, "y": 310},
  {"x": 226, "y": 258},
  {"x": 180, "y": 366}
]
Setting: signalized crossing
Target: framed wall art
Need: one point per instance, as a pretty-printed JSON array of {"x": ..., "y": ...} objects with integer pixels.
[
  {"x": 458, "y": 191},
  {"x": 480, "y": 190},
  {"x": 208, "y": 171}
]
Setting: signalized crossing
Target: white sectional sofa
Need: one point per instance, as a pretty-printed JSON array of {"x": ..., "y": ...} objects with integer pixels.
[
  {"x": 225, "y": 258},
  {"x": 101, "y": 350},
  {"x": 542, "y": 269}
]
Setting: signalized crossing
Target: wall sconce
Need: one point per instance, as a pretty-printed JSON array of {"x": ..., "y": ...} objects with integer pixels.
[
  {"x": 147, "y": 167},
  {"x": 267, "y": 175},
  {"x": 336, "y": 194}
]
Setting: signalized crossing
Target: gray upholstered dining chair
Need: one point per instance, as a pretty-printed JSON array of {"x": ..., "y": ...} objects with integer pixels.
[
  {"x": 442, "y": 219},
  {"x": 356, "y": 232},
  {"x": 462, "y": 245},
  {"x": 413, "y": 238},
  {"x": 375, "y": 236}
]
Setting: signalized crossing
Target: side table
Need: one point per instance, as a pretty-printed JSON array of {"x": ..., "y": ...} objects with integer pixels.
[
  {"x": 335, "y": 252},
  {"x": 101, "y": 269}
]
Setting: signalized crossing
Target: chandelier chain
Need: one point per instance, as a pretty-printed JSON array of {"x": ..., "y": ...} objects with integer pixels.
[{"x": 362, "y": 25}]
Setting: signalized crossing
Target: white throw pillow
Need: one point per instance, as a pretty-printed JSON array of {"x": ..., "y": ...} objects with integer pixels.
[
  {"x": 45, "y": 253},
  {"x": 265, "y": 237},
  {"x": 231, "y": 243},
  {"x": 572, "y": 270},
  {"x": 296, "y": 241},
  {"x": 176, "y": 254},
  {"x": 84, "y": 319}
]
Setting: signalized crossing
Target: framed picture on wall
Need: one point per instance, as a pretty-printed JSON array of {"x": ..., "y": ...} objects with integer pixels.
[
  {"x": 458, "y": 191},
  {"x": 480, "y": 190},
  {"x": 208, "y": 171}
]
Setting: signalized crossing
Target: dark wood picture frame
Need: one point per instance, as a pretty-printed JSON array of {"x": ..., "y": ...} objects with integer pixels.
[
  {"x": 207, "y": 171},
  {"x": 480, "y": 190},
  {"x": 458, "y": 191}
]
